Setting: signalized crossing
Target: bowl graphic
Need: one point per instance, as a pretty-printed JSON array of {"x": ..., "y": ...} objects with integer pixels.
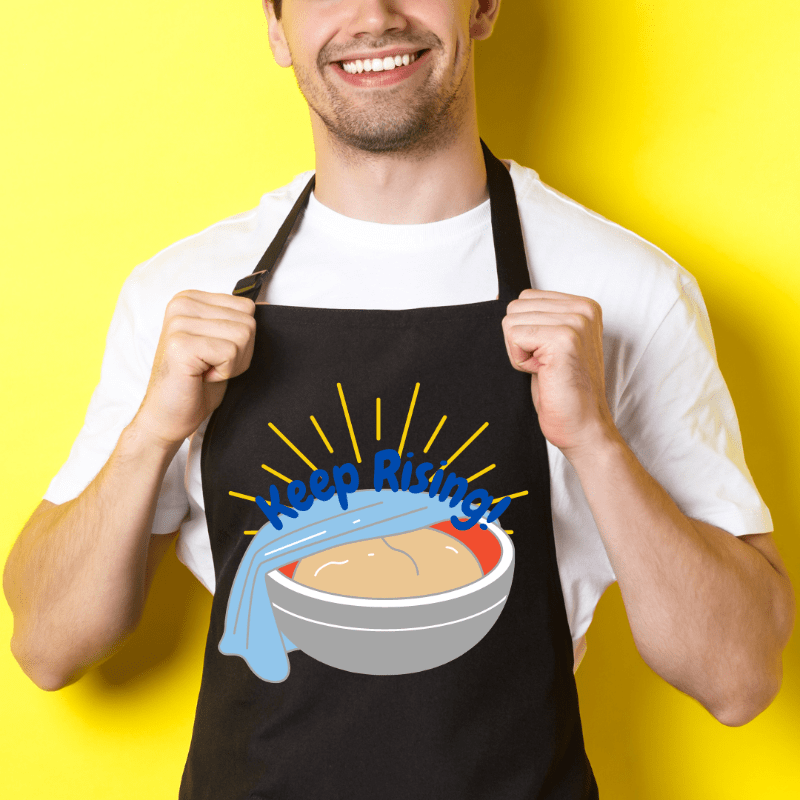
[{"x": 393, "y": 636}]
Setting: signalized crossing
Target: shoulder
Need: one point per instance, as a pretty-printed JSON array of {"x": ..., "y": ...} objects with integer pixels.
[{"x": 575, "y": 250}]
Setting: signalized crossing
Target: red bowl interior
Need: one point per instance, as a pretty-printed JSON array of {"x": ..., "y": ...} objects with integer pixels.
[{"x": 483, "y": 544}]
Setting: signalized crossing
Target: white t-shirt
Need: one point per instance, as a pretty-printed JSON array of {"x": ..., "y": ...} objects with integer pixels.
[{"x": 663, "y": 384}]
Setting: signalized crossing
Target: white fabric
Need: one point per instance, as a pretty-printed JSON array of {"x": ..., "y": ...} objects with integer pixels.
[{"x": 664, "y": 388}]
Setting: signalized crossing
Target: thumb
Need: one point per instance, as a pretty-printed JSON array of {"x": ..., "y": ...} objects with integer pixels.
[
  {"x": 523, "y": 359},
  {"x": 535, "y": 391},
  {"x": 214, "y": 392}
]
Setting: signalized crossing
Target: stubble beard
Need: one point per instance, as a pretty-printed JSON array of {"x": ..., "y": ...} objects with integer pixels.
[{"x": 387, "y": 124}]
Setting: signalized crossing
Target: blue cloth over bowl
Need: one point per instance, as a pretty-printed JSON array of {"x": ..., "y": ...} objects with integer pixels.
[{"x": 250, "y": 627}]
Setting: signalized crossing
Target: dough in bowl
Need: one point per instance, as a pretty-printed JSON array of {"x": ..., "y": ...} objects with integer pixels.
[{"x": 413, "y": 564}]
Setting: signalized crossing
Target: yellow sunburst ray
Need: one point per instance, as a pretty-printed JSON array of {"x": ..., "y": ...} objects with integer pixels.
[
  {"x": 276, "y": 473},
  {"x": 466, "y": 445},
  {"x": 242, "y": 496},
  {"x": 322, "y": 435},
  {"x": 482, "y": 472},
  {"x": 408, "y": 420},
  {"x": 349, "y": 423},
  {"x": 510, "y": 496},
  {"x": 292, "y": 446},
  {"x": 435, "y": 434}
]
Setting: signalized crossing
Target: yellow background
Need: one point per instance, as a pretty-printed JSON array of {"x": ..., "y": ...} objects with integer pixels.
[{"x": 128, "y": 126}]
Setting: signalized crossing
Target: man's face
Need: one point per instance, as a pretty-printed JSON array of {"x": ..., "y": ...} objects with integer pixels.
[{"x": 382, "y": 75}]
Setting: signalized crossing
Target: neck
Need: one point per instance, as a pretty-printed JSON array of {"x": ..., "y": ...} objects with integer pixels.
[{"x": 401, "y": 188}]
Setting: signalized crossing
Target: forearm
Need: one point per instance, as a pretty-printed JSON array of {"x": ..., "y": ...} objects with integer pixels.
[
  {"x": 708, "y": 612},
  {"x": 75, "y": 578}
]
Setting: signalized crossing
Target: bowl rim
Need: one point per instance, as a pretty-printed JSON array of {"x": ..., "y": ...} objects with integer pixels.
[{"x": 499, "y": 569}]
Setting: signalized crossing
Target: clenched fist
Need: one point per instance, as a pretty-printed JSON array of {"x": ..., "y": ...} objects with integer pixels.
[
  {"x": 205, "y": 340},
  {"x": 558, "y": 338}
]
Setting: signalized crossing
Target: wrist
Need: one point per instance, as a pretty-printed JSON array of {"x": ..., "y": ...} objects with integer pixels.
[
  {"x": 139, "y": 435},
  {"x": 598, "y": 449}
]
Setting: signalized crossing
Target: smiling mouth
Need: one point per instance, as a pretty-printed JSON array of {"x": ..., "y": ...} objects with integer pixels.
[{"x": 386, "y": 64}]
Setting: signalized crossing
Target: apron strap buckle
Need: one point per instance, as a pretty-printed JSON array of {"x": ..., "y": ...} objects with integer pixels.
[{"x": 249, "y": 285}]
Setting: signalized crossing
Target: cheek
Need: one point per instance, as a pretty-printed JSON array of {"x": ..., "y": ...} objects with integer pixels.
[{"x": 306, "y": 37}]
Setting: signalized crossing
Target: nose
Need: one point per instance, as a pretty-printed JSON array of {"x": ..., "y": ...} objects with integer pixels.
[{"x": 375, "y": 18}]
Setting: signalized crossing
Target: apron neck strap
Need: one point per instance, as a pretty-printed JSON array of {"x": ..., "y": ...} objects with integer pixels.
[
  {"x": 509, "y": 246},
  {"x": 250, "y": 285}
]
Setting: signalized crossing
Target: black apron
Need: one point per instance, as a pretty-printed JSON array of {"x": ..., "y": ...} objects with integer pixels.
[{"x": 499, "y": 722}]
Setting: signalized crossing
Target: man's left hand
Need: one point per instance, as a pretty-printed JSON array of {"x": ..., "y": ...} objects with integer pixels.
[{"x": 558, "y": 338}]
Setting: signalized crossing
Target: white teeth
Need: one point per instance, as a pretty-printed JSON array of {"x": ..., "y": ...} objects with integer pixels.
[{"x": 378, "y": 64}]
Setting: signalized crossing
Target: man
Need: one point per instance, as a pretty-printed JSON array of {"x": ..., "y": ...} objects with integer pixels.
[{"x": 615, "y": 355}]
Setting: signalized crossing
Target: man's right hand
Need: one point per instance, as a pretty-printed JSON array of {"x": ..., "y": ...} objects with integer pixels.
[
  {"x": 99, "y": 544},
  {"x": 205, "y": 340}
]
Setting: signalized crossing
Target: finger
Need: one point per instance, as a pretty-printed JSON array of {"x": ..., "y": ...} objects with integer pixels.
[
  {"x": 212, "y": 358},
  {"x": 228, "y": 324},
  {"x": 574, "y": 320},
  {"x": 239, "y": 330},
  {"x": 518, "y": 354},
  {"x": 209, "y": 305},
  {"x": 533, "y": 347},
  {"x": 186, "y": 342},
  {"x": 521, "y": 359},
  {"x": 234, "y": 366},
  {"x": 216, "y": 298},
  {"x": 544, "y": 294},
  {"x": 558, "y": 303},
  {"x": 522, "y": 331}
]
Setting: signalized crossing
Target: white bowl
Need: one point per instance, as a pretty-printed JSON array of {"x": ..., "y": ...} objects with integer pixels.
[{"x": 392, "y": 636}]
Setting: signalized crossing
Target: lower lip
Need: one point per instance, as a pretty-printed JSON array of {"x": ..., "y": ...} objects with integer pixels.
[{"x": 388, "y": 77}]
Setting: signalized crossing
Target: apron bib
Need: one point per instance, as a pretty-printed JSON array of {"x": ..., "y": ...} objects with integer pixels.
[{"x": 495, "y": 718}]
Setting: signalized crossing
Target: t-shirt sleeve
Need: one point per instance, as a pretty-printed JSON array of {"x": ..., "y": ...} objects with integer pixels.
[
  {"x": 677, "y": 415},
  {"x": 124, "y": 374}
]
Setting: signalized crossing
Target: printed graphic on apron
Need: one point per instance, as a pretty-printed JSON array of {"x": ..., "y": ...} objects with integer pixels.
[{"x": 398, "y": 577}]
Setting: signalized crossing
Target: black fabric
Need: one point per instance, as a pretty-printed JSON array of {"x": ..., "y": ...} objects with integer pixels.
[
  {"x": 500, "y": 722},
  {"x": 250, "y": 285}
]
